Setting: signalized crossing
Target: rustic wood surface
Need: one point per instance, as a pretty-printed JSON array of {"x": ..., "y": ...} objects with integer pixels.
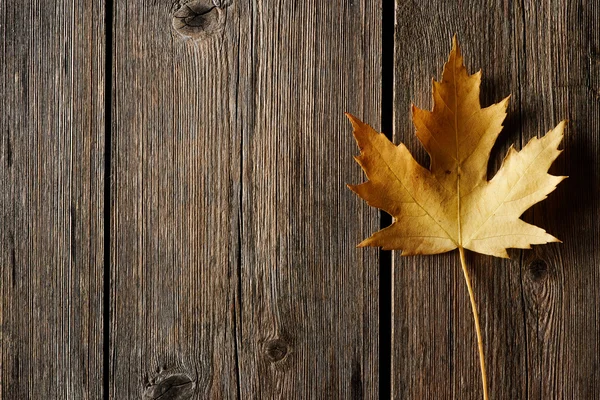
[
  {"x": 52, "y": 190},
  {"x": 234, "y": 271},
  {"x": 538, "y": 310}
]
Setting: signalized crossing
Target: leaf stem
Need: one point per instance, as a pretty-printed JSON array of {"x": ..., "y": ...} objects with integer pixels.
[{"x": 476, "y": 318}]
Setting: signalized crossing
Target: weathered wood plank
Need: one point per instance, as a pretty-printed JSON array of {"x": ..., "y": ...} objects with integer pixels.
[
  {"x": 52, "y": 184},
  {"x": 233, "y": 233},
  {"x": 175, "y": 194},
  {"x": 309, "y": 308},
  {"x": 434, "y": 341},
  {"x": 561, "y": 284},
  {"x": 538, "y": 313}
]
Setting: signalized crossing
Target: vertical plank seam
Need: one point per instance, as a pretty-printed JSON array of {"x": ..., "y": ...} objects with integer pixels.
[
  {"x": 385, "y": 256},
  {"x": 72, "y": 235},
  {"x": 108, "y": 24},
  {"x": 521, "y": 258}
]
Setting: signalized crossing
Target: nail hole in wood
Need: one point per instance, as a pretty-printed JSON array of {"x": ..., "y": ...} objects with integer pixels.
[
  {"x": 174, "y": 387},
  {"x": 199, "y": 19}
]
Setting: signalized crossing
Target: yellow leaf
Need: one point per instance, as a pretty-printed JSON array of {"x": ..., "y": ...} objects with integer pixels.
[{"x": 452, "y": 205}]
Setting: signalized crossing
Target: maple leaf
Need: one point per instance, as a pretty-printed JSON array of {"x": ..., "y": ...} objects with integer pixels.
[{"x": 452, "y": 205}]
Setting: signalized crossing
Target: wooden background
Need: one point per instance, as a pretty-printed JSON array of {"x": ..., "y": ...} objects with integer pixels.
[{"x": 175, "y": 222}]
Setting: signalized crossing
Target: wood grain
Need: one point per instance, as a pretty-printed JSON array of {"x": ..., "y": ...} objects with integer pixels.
[
  {"x": 308, "y": 296},
  {"x": 233, "y": 235},
  {"x": 233, "y": 272},
  {"x": 175, "y": 201},
  {"x": 538, "y": 310},
  {"x": 52, "y": 184},
  {"x": 434, "y": 342},
  {"x": 560, "y": 80}
]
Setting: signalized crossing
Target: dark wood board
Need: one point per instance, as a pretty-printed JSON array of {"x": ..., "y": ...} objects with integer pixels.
[
  {"x": 174, "y": 194},
  {"x": 538, "y": 310},
  {"x": 52, "y": 190},
  {"x": 304, "y": 285},
  {"x": 234, "y": 271},
  {"x": 561, "y": 284}
]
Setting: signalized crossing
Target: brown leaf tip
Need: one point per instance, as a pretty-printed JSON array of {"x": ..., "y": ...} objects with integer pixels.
[
  {"x": 455, "y": 46},
  {"x": 357, "y": 124},
  {"x": 351, "y": 118},
  {"x": 364, "y": 243}
]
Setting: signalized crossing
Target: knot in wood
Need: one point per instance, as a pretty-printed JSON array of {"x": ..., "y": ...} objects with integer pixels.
[
  {"x": 276, "y": 349},
  {"x": 538, "y": 270},
  {"x": 174, "y": 387},
  {"x": 199, "y": 19}
]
